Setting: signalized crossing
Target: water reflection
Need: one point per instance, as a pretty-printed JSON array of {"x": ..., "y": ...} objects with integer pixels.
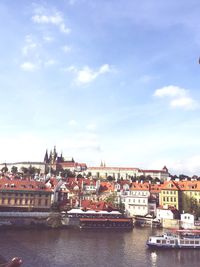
[
  {"x": 154, "y": 259},
  {"x": 74, "y": 248}
]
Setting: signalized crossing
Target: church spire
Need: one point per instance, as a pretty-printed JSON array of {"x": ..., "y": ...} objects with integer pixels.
[{"x": 46, "y": 157}]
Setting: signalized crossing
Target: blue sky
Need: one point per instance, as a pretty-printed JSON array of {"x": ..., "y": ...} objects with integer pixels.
[{"x": 116, "y": 81}]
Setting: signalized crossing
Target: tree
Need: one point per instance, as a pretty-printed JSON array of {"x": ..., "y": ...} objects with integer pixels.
[
  {"x": 67, "y": 173},
  {"x": 110, "y": 178},
  {"x": 14, "y": 169},
  {"x": 24, "y": 170},
  {"x": 111, "y": 199},
  {"x": 4, "y": 169},
  {"x": 89, "y": 175}
]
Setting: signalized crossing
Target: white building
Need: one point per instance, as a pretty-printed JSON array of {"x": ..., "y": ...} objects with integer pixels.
[
  {"x": 136, "y": 200},
  {"x": 162, "y": 213},
  {"x": 125, "y": 173},
  {"x": 187, "y": 221}
]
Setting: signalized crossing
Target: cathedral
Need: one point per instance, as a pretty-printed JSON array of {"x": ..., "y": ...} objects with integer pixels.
[{"x": 57, "y": 162}]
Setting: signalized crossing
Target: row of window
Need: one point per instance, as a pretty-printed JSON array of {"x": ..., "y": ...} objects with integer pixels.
[
  {"x": 133, "y": 200},
  {"x": 169, "y": 199},
  {"x": 169, "y": 192},
  {"x": 138, "y": 207},
  {"x": 4, "y": 194},
  {"x": 23, "y": 202},
  {"x": 139, "y": 193}
]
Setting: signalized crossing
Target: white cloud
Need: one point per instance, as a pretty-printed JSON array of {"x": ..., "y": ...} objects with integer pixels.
[
  {"x": 188, "y": 166},
  {"x": 179, "y": 97},
  {"x": 50, "y": 62},
  {"x": 91, "y": 126},
  {"x": 48, "y": 39},
  {"x": 28, "y": 66},
  {"x": 66, "y": 48},
  {"x": 29, "y": 46},
  {"x": 184, "y": 102},
  {"x": 86, "y": 75},
  {"x": 56, "y": 19},
  {"x": 170, "y": 91},
  {"x": 72, "y": 123},
  {"x": 83, "y": 141}
]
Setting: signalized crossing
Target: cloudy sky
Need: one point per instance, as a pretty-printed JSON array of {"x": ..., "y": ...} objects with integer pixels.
[{"x": 116, "y": 81}]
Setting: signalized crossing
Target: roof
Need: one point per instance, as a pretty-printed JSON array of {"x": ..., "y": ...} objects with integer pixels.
[
  {"x": 23, "y": 185},
  {"x": 113, "y": 168},
  {"x": 189, "y": 185},
  {"x": 140, "y": 186},
  {"x": 170, "y": 185}
]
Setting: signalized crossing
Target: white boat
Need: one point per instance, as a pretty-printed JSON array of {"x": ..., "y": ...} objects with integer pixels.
[{"x": 171, "y": 240}]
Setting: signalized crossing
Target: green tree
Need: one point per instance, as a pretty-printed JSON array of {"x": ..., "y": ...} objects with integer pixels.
[
  {"x": 24, "y": 170},
  {"x": 110, "y": 178},
  {"x": 111, "y": 199},
  {"x": 4, "y": 169},
  {"x": 14, "y": 169}
]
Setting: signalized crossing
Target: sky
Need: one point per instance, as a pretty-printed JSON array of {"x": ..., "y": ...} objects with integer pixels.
[{"x": 102, "y": 80}]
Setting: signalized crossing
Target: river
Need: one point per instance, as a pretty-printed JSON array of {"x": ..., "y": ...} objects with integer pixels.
[{"x": 89, "y": 248}]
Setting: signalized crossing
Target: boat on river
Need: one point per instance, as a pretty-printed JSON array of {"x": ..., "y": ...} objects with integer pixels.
[
  {"x": 122, "y": 223},
  {"x": 173, "y": 240}
]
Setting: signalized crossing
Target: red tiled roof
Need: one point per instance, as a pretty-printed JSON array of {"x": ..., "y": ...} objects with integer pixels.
[{"x": 23, "y": 185}]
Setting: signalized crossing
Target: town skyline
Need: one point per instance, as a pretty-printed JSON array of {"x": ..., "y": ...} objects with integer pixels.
[{"x": 103, "y": 81}]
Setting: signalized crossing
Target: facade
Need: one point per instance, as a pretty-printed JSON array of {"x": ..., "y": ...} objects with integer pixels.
[
  {"x": 182, "y": 195},
  {"x": 190, "y": 195},
  {"x": 103, "y": 172},
  {"x": 170, "y": 195},
  {"x": 56, "y": 162},
  {"x": 167, "y": 214},
  {"x": 124, "y": 173},
  {"x": 24, "y": 195},
  {"x": 136, "y": 201},
  {"x": 162, "y": 175}
]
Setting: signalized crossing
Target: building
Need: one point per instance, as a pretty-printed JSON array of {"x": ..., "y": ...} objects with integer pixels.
[
  {"x": 125, "y": 173},
  {"x": 136, "y": 201},
  {"x": 190, "y": 196},
  {"x": 56, "y": 162},
  {"x": 104, "y": 172},
  {"x": 162, "y": 175},
  {"x": 170, "y": 195},
  {"x": 24, "y": 195}
]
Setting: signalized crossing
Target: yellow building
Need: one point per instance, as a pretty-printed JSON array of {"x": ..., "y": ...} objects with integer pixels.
[
  {"x": 170, "y": 195},
  {"x": 190, "y": 191},
  {"x": 24, "y": 195}
]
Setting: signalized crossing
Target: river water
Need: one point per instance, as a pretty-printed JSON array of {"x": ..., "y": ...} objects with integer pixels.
[{"x": 89, "y": 248}]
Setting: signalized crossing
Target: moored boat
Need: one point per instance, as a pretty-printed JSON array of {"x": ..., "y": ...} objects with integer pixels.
[
  {"x": 125, "y": 223},
  {"x": 172, "y": 240}
]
